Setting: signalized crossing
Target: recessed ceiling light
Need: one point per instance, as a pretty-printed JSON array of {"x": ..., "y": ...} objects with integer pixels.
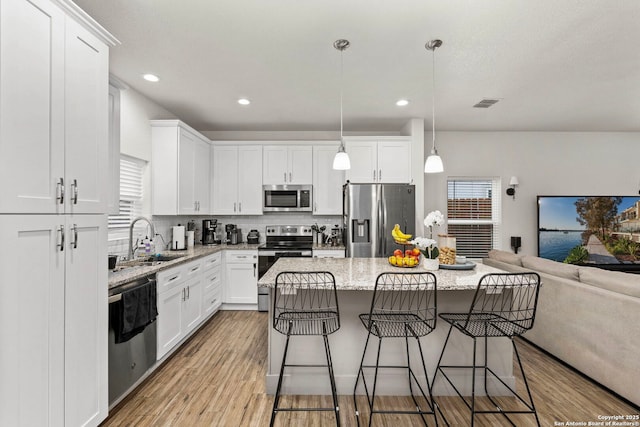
[
  {"x": 402, "y": 103},
  {"x": 151, "y": 78},
  {"x": 244, "y": 101}
]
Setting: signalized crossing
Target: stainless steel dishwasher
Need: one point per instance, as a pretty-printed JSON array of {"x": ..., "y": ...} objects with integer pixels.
[{"x": 129, "y": 360}]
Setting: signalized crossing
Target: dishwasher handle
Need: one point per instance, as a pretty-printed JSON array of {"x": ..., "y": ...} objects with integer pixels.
[{"x": 115, "y": 294}]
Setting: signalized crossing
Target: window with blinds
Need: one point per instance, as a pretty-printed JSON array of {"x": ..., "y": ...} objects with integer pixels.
[
  {"x": 131, "y": 191},
  {"x": 473, "y": 214}
]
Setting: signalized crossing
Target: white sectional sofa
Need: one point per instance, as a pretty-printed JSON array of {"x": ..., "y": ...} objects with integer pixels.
[{"x": 586, "y": 317}]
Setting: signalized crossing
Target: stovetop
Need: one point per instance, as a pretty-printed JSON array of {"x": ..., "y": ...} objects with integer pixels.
[{"x": 288, "y": 237}]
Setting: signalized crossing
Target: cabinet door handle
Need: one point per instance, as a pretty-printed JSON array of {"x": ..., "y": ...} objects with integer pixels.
[
  {"x": 290, "y": 179},
  {"x": 285, "y": 177},
  {"x": 74, "y": 190},
  {"x": 75, "y": 236},
  {"x": 239, "y": 206},
  {"x": 184, "y": 294},
  {"x": 172, "y": 279},
  {"x": 315, "y": 206},
  {"x": 60, "y": 190},
  {"x": 380, "y": 174},
  {"x": 196, "y": 268},
  {"x": 61, "y": 240},
  {"x": 374, "y": 174},
  {"x": 188, "y": 292},
  {"x": 234, "y": 207},
  {"x": 254, "y": 269}
]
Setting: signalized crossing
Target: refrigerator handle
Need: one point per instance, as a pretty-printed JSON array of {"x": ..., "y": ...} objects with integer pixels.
[{"x": 382, "y": 239}]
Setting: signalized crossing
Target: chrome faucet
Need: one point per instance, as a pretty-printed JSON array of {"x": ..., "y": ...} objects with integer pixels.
[{"x": 153, "y": 234}]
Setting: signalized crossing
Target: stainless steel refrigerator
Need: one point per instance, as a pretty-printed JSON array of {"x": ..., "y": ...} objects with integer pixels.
[{"x": 369, "y": 213}]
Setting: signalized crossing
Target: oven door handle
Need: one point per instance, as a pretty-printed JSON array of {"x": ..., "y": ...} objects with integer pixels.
[{"x": 304, "y": 253}]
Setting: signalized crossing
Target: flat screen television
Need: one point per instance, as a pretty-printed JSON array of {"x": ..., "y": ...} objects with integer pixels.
[{"x": 608, "y": 227}]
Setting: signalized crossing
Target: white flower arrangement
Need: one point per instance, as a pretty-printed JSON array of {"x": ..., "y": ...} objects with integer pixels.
[
  {"x": 434, "y": 218},
  {"x": 427, "y": 247}
]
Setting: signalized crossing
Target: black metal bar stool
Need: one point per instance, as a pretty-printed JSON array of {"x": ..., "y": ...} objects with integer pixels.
[
  {"x": 403, "y": 305},
  {"x": 306, "y": 303},
  {"x": 504, "y": 306}
]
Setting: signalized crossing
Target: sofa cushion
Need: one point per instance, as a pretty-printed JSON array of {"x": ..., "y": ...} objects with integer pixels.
[
  {"x": 505, "y": 256},
  {"x": 553, "y": 268},
  {"x": 615, "y": 281}
]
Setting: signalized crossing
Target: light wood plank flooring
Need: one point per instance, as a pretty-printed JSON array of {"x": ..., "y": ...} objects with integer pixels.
[{"x": 218, "y": 379}]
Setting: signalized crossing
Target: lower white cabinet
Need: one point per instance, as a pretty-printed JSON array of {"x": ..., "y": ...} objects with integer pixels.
[
  {"x": 241, "y": 277},
  {"x": 179, "y": 304},
  {"x": 187, "y": 295},
  {"x": 212, "y": 286},
  {"x": 53, "y": 320}
]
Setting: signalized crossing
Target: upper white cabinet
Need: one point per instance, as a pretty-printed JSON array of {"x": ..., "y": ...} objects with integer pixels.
[
  {"x": 237, "y": 180},
  {"x": 287, "y": 164},
  {"x": 180, "y": 169},
  {"x": 54, "y": 99},
  {"x": 379, "y": 161},
  {"x": 113, "y": 198},
  {"x": 327, "y": 182}
]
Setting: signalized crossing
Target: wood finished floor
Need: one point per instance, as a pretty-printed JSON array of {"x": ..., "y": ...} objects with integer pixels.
[{"x": 218, "y": 379}]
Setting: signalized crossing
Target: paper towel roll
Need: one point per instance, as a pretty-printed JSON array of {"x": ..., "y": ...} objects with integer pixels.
[
  {"x": 190, "y": 238},
  {"x": 177, "y": 242}
]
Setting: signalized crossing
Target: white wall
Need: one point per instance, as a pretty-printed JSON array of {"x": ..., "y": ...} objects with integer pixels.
[
  {"x": 135, "y": 130},
  {"x": 136, "y": 111},
  {"x": 546, "y": 163}
]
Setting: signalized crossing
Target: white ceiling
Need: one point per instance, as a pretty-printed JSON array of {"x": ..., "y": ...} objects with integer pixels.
[{"x": 556, "y": 65}]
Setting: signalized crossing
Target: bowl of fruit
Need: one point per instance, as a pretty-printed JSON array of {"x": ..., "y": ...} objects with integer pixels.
[{"x": 407, "y": 259}]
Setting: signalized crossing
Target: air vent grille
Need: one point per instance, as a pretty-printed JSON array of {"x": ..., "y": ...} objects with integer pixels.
[{"x": 486, "y": 103}]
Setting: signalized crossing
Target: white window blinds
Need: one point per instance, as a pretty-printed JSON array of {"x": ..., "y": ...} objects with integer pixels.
[
  {"x": 131, "y": 191},
  {"x": 473, "y": 214}
]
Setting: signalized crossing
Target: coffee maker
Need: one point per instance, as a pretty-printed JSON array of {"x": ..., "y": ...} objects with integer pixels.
[
  {"x": 209, "y": 236},
  {"x": 234, "y": 234}
]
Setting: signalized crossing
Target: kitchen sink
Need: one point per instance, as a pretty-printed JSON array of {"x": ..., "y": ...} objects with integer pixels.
[{"x": 146, "y": 261}]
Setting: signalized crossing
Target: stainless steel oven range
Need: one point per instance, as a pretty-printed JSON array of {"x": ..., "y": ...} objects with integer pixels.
[{"x": 281, "y": 241}]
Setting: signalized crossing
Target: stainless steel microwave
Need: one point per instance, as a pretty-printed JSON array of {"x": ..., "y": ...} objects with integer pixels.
[{"x": 286, "y": 198}]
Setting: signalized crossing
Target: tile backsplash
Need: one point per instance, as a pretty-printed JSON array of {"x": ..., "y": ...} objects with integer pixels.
[{"x": 163, "y": 225}]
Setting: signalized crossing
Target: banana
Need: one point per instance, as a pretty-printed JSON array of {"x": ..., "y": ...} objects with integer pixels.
[{"x": 397, "y": 233}]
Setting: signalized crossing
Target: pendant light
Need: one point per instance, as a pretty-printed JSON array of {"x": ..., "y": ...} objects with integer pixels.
[
  {"x": 341, "y": 160},
  {"x": 434, "y": 162}
]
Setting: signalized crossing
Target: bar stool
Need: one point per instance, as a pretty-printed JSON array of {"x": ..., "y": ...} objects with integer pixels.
[
  {"x": 306, "y": 303},
  {"x": 504, "y": 306},
  {"x": 403, "y": 305}
]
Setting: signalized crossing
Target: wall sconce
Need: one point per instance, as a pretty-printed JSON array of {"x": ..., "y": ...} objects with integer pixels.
[
  {"x": 513, "y": 183},
  {"x": 516, "y": 242}
]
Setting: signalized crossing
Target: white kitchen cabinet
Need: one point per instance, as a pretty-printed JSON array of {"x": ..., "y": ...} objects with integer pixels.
[
  {"x": 379, "y": 161},
  {"x": 212, "y": 286},
  {"x": 180, "y": 309},
  {"x": 237, "y": 180},
  {"x": 241, "y": 277},
  {"x": 180, "y": 169},
  {"x": 53, "y": 311},
  {"x": 113, "y": 198},
  {"x": 54, "y": 100},
  {"x": 327, "y": 182},
  {"x": 287, "y": 164}
]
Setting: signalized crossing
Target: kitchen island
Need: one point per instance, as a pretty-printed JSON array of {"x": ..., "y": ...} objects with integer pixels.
[{"x": 355, "y": 282}]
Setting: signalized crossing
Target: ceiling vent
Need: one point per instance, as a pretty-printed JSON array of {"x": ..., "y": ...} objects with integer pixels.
[{"x": 486, "y": 103}]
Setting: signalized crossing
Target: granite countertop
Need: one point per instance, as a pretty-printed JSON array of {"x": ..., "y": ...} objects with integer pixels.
[
  {"x": 359, "y": 274},
  {"x": 120, "y": 277},
  {"x": 327, "y": 247}
]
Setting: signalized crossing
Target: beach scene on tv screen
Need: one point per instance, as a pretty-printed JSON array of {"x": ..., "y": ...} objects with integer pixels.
[{"x": 583, "y": 230}]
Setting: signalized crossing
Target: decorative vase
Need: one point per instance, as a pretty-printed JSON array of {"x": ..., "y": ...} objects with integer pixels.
[{"x": 430, "y": 264}]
